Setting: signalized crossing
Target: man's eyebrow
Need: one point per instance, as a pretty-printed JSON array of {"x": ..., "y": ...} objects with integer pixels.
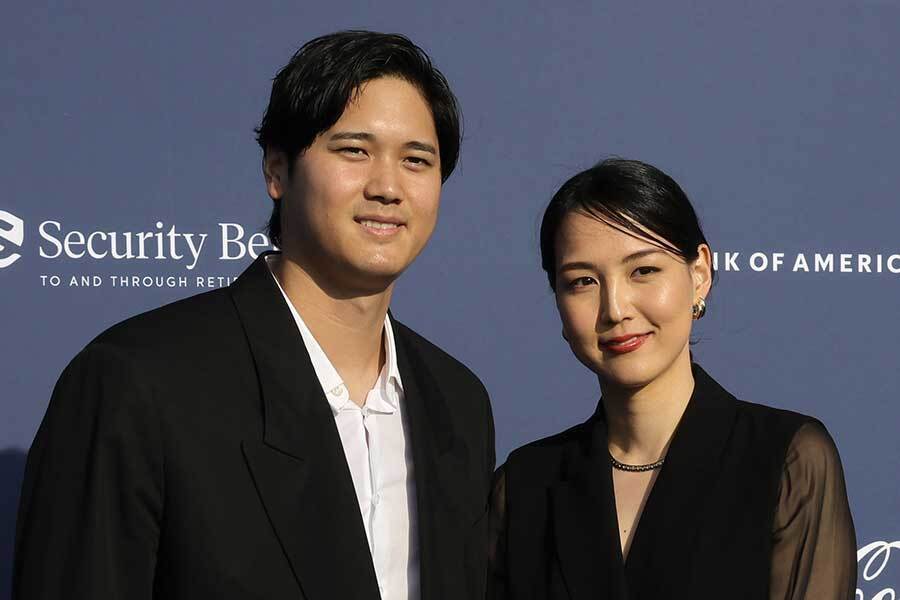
[
  {"x": 365, "y": 136},
  {"x": 421, "y": 146},
  {"x": 351, "y": 135}
]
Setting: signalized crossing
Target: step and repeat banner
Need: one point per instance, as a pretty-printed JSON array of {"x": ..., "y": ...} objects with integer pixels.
[{"x": 131, "y": 178}]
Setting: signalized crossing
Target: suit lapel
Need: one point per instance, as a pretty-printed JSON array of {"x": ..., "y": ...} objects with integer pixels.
[
  {"x": 299, "y": 467},
  {"x": 660, "y": 554},
  {"x": 584, "y": 521},
  {"x": 442, "y": 475}
]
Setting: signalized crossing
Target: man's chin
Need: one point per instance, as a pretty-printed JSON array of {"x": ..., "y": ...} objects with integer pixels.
[{"x": 369, "y": 279}]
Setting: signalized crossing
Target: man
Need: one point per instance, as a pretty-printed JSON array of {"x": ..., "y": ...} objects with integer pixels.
[{"x": 283, "y": 437}]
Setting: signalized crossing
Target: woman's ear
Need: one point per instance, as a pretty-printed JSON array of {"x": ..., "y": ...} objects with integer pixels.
[{"x": 701, "y": 271}]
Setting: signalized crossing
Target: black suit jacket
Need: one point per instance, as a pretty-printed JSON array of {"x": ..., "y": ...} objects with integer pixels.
[
  {"x": 189, "y": 452},
  {"x": 707, "y": 526}
]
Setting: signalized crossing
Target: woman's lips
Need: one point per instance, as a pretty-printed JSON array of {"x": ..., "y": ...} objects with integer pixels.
[{"x": 625, "y": 343}]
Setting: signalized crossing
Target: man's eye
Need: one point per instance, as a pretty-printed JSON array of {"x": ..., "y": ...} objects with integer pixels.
[
  {"x": 418, "y": 161},
  {"x": 352, "y": 151},
  {"x": 645, "y": 270}
]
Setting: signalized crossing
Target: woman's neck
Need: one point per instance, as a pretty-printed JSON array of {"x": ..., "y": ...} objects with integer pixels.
[{"x": 642, "y": 421}]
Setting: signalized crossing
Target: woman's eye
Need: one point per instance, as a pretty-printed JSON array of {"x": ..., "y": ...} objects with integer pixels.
[
  {"x": 581, "y": 282},
  {"x": 645, "y": 270}
]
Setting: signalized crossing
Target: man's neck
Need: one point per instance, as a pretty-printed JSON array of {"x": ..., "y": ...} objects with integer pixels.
[
  {"x": 642, "y": 421},
  {"x": 348, "y": 328}
]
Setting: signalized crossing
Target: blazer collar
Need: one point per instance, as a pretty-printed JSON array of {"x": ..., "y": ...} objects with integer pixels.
[
  {"x": 298, "y": 466},
  {"x": 443, "y": 473},
  {"x": 584, "y": 516},
  {"x": 677, "y": 503},
  {"x": 587, "y": 533},
  {"x": 301, "y": 473}
]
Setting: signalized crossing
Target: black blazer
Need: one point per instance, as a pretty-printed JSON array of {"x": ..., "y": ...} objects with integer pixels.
[
  {"x": 190, "y": 453},
  {"x": 706, "y": 530}
]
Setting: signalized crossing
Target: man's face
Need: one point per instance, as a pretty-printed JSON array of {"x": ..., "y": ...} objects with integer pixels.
[{"x": 363, "y": 199}]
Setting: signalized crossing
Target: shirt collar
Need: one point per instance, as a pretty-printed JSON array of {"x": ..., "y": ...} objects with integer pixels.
[
  {"x": 390, "y": 363},
  {"x": 331, "y": 382}
]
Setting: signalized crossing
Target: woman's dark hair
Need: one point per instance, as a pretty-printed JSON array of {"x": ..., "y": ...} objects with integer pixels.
[
  {"x": 311, "y": 92},
  {"x": 630, "y": 195}
]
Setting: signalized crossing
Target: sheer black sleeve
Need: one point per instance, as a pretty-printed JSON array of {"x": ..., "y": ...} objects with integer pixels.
[
  {"x": 814, "y": 543},
  {"x": 497, "y": 578}
]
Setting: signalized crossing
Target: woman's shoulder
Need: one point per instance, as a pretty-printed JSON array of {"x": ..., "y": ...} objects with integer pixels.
[
  {"x": 761, "y": 418},
  {"x": 770, "y": 416},
  {"x": 804, "y": 434},
  {"x": 763, "y": 429},
  {"x": 809, "y": 447},
  {"x": 812, "y": 453}
]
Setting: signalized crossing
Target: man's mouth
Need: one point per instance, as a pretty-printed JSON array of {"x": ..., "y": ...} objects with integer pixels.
[{"x": 378, "y": 224}]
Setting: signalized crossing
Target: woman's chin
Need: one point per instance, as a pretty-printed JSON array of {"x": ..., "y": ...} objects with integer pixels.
[{"x": 624, "y": 378}]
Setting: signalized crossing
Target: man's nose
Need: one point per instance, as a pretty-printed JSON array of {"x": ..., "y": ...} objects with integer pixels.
[{"x": 384, "y": 182}]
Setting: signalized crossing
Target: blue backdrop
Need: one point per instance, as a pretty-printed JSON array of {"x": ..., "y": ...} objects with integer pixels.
[{"x": 779, "y": 121}]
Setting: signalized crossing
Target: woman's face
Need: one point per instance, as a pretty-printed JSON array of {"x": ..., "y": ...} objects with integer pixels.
[{"x": 625, "y": 303}]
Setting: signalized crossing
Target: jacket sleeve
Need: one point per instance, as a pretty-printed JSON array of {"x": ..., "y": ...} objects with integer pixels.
[
  {"x": 497, "y": 575},
  {"x": 91, "y": 504},
  {"x": 814, "y": 544}
]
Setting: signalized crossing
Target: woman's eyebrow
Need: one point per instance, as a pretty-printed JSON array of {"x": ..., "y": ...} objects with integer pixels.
[
  {"x": 577, "y": 265},
  {"x": 642, "y": 254}
]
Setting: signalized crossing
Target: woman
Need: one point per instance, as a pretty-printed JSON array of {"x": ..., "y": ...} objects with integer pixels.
[{"x": 673, "y": 488}]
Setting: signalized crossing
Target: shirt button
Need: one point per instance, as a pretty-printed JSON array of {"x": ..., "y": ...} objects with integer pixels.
[{"x": 376, "y": 499}]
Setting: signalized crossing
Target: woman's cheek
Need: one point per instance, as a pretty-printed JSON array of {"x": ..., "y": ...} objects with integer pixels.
[{"x": 666, "y": 302}]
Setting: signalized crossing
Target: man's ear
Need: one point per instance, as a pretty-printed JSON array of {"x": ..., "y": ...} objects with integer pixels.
[
  {"x": 275, "y": 170},
  {"x": 701, "y": 271}
]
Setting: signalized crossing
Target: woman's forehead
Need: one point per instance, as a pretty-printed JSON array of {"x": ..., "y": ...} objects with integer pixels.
[{"x": 582, "y": 232}]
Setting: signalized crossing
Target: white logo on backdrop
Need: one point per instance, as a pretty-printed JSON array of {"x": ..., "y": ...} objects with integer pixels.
[
  {"x": 807, "y": 262},
  {"x": 878, "y": 555},
  {"x": 231, "y": 242},
  {"x": 12, "y": 231},
  {"x": 160, "y": 242}
]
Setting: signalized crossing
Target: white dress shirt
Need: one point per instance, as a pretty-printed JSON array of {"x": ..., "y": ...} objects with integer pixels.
[{"x": 374, "y": 438}]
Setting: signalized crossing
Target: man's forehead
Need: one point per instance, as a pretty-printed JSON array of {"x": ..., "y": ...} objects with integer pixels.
[{"x": 385, "y": 105}]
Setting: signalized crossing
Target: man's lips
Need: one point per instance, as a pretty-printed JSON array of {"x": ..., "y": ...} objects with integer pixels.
[
  {"x": 625, "y": 343},
  {"x": 380, "y": 225}
]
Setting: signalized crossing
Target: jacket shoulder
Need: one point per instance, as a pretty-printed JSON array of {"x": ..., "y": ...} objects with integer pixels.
[
  {"x": 440, "y": 360},
  {"x": 763, "y": 428},
  {"x": 544, "y": 460},
  {"x": 772, "y": 420},
  {"x": 178, "y": 326}
]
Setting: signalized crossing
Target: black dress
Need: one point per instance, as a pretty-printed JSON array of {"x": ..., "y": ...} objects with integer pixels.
[{"x": 750, "y": 504}]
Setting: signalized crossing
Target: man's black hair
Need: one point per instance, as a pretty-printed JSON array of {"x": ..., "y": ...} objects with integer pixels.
[{"x": 311, "y": 92}]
